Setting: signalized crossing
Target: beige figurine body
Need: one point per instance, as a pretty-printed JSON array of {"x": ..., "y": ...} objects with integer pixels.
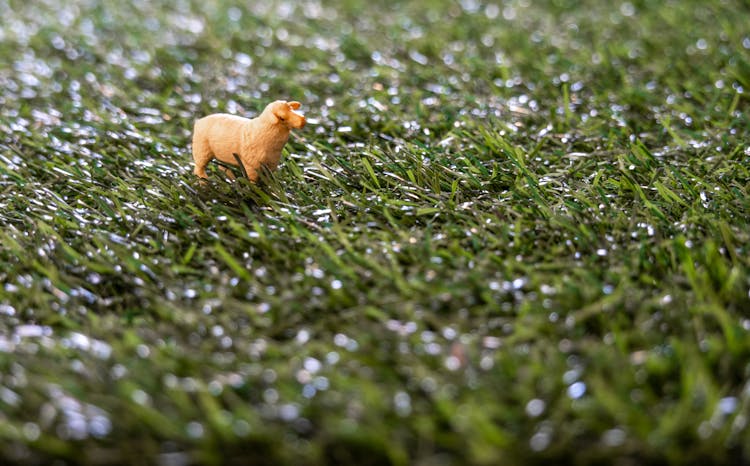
[{"x": 257, "y": 142}]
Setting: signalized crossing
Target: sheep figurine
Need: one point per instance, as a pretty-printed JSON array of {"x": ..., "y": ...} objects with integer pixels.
[{"x": 254, "y": 142}]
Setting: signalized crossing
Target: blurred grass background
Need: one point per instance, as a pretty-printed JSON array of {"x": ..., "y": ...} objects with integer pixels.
[{"x": 514, "y": 233}]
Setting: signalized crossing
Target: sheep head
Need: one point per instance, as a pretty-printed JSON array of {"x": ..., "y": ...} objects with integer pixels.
[{"x": 285, "y": 114}]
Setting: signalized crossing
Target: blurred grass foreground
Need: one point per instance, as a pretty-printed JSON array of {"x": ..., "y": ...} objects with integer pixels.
[{"x": 513, "y": 232}]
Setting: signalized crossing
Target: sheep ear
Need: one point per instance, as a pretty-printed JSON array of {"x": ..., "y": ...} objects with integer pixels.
[{"x": 294, "y": 105}]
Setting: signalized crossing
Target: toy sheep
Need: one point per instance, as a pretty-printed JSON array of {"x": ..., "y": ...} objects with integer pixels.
[{"x": 256, "y": 142}]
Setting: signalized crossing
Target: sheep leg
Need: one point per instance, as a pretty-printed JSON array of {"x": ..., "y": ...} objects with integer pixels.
[
  {"x": 227, "y": 171},
  {"x": 252, "y": 174},
  {"x": 202, "y": 154}
]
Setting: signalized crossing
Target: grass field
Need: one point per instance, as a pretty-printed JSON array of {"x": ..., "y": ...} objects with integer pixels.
[{"x": 512, "y": 233}]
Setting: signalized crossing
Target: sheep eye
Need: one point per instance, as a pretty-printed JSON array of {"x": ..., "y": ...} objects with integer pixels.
[{"x": 282, "y": 119}]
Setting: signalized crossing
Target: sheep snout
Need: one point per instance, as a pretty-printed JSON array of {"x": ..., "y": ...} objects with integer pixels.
[{"x": 299, "y": 121}]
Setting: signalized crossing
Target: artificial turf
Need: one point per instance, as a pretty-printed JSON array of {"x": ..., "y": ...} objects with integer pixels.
[{"x": 512, "y": 233}]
